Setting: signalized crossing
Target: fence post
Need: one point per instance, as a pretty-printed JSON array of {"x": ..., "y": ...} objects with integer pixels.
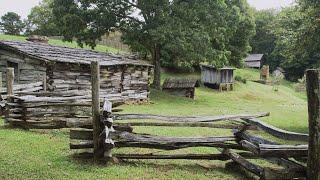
[
  {"x": 10, "y": 81},
  {"x": 98, "y": 143},
  {"x": 313, "y": 91}
]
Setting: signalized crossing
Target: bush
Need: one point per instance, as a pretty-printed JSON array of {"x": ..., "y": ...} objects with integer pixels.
[{"x": 240, "y": 79}]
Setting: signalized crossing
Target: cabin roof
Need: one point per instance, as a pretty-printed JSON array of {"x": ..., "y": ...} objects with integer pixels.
[
  {"x": 49, "y": 53},
  {"x": 213, "y": 67},
  {"x": 179, "y": 83},
  {"x": 254, "y": 57}
]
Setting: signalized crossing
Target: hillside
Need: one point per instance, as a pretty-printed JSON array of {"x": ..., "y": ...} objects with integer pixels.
[
  {"x": 288, "y": 108},
  {"x": 56, "y": 42},
  {"x": 45, "y": 154}
]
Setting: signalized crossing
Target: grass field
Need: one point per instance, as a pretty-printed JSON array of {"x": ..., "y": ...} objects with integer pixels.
[
  {"x": 46, "y": 155},
  {"x": 56, "y": 42}
]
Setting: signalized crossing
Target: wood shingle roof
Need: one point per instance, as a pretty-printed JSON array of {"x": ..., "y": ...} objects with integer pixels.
[{"x": 49, "y": 53}]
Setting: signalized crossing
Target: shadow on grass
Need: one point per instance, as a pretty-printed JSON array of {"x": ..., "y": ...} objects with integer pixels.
[{"x": 194, "y": 167}]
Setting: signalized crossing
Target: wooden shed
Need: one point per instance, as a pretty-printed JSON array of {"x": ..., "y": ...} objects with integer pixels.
[
  {"x": 180, "y": 87},
  {"x": 254, "y": 61},
  {"x": 217, "y": 78},
  {"x": 68, "y": 70}
]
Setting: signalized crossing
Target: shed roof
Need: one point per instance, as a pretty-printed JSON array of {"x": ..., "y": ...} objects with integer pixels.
[
  {"x": 179, "y": 83},
  {"x": 254, "y": 57},
  {"x": 49, "y": 53},
  {"x": 213, "y": 67}
]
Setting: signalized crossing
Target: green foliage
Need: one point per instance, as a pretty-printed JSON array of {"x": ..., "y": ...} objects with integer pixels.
[
  {"x": 11, "y": 24},
  {"x": 286, "y": 52},
  {"x": 264, "y": 40},
  {"x": 40, "y": 21},
  {"x": 240, "y": 79},
  {"x": 290, "y": 39},
  {"x": 174, "y": 33},
  {"x": 215, "y": 32}
]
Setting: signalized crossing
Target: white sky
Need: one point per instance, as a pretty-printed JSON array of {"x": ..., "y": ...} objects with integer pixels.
[
  {"x": 23, "y": 7},
  {"x": 267, "y": 4}
]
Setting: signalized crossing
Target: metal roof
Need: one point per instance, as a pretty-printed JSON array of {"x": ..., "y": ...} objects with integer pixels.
[{"x": 49, "y": 53}]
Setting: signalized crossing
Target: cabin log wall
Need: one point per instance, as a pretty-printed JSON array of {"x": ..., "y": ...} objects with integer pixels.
[{"x": 29, "y": 70}]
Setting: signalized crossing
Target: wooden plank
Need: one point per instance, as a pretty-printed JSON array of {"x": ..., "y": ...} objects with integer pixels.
[
  {"x": 126, "y": 139},
  {"x": 97, "y": 128},
  {"x": 279, "y": 133},
  {"x": 313, "y": 91},
  {"x": 257, "y": 170},
  {"x": 186, "y": 118},
  {"x": 221, "y": 157},
  {"x": 186, "y": 124},
  {"x": 283, "y": 151}
]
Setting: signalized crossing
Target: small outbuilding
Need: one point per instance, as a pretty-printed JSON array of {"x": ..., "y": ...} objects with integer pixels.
[
  {"x": 180, "y": 87},
  {"x": 217, "y": 78},
  {"x": 254, "y": 61},
  {"x": 66, "y": 69}
]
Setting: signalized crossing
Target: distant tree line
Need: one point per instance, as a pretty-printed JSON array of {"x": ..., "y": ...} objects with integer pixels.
[
  {"x": 289, "y": 38},
  {"x": 40, "y": 21},
  {"x": 182, "y": 34}
]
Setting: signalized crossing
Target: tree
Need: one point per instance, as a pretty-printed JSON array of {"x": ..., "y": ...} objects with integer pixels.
[
  {"x": 178, "y": 32},
  {"x": 264, "y": 40},
  {"x": 11, "y": 24},
  {"x": 243, "y": 26},
  {"x": 297, "y": 31},
  {"x": 40, "y": 21}
]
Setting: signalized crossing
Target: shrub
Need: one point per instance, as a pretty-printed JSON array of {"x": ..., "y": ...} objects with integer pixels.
[{"x": 240, "y": 79}]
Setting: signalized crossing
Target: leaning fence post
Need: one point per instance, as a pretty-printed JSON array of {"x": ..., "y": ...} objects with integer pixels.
[
  {"x": 98, "y": 144},
  {"x": 313, "y": 91}
]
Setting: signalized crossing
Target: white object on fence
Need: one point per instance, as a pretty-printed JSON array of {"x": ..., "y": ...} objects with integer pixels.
[{"x": 107, "y": 106}]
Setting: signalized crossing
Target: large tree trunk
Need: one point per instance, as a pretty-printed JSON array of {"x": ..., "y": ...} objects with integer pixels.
[{"x": 157, "y": 67}]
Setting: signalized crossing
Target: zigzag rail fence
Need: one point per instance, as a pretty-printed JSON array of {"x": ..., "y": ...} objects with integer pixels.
[{"x": 102, "y": 130}]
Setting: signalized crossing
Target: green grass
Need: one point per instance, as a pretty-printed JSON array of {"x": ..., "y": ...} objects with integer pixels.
[
  {"x": 46, "y": 155},
  {"x": 56, "y": 42}
]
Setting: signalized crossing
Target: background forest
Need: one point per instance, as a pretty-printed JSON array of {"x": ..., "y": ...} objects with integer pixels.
[{"x": 182, "y": 34}]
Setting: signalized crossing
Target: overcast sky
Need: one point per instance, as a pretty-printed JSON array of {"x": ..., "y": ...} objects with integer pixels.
[{"x": 23, "y": 7}]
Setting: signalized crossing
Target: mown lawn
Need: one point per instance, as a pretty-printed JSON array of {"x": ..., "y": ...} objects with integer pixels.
[
  {"x": 57, "y": 42},
  {"x": 46, "y": 155}
]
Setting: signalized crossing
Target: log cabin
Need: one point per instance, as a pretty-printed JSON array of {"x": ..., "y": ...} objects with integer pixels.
[
  {"x": 66, "y": 69},
  {"x": 217, "y": 78}
]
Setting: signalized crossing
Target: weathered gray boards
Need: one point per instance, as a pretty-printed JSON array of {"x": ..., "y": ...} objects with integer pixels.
[
  {"x": 213, "y": 77},
  {"x": 68, "y": 70},
  {"x": 180, "y": 87}
]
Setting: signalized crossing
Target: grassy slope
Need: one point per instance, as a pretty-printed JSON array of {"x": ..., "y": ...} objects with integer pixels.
[
  {"x": 46, "y": 155},
  {"x": 36, "y": 155},
  {"x": 288, "y": 108},
  {"x": 99, "y": 48}
]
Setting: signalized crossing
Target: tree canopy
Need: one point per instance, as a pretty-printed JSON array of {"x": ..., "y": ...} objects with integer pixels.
[
  {"x": 11, "y": 24},
  {"x": 173, "y": 32},
  {"x": 40, "y": 21},
  {"x": 290, "y": 38}
]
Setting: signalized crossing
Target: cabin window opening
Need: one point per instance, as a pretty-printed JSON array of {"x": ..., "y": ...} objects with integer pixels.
[{"x": 15, "y": 66}]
